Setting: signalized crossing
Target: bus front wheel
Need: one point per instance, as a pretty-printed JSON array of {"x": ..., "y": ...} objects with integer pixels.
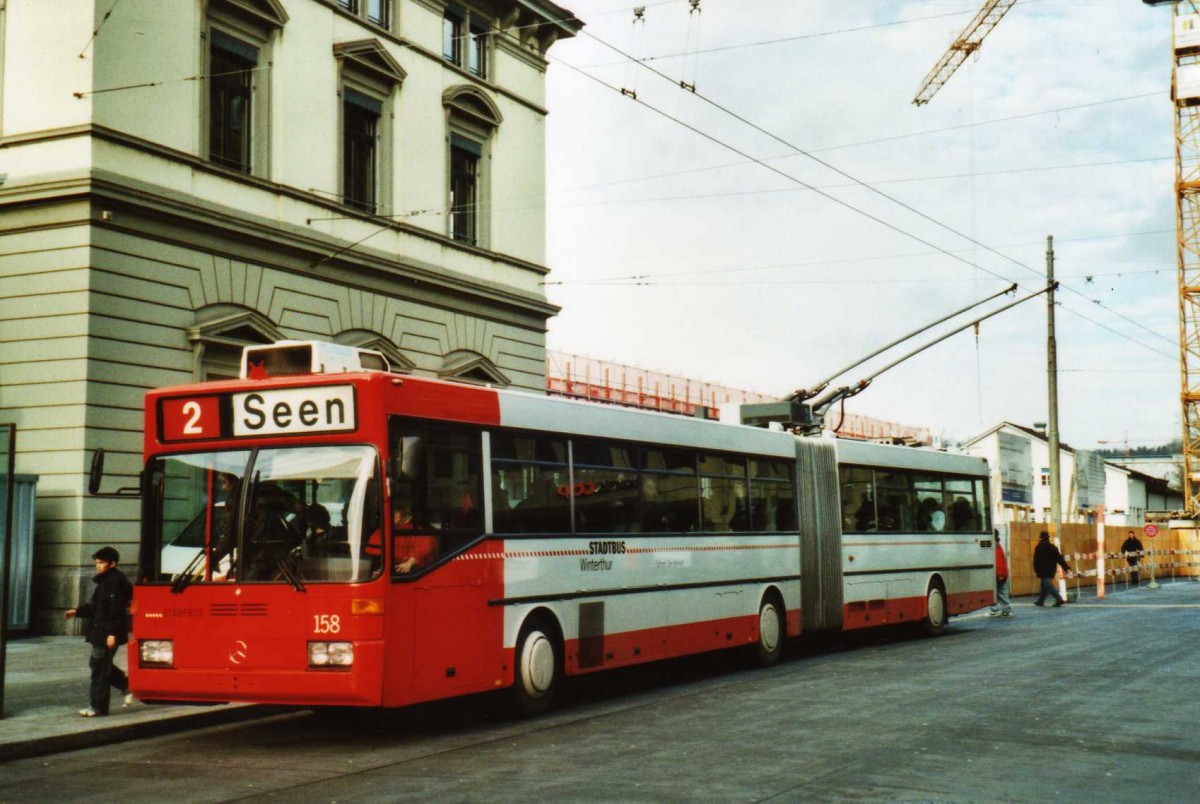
[{"x": 536, "y": 671}]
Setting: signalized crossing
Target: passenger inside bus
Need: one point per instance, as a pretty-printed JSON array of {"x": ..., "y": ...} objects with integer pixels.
[
  {"x": 225, "y": 500},
  {"x": 316, "y": 529},
  {"x": 889, "y": 514},
  {"x": 276, "y": 529},
  {"x": 410, "y": 550},
  {"x": 963, "y": 514},
  {"x": 931, "y": 517},
  {"x": 864, "y": 517}
]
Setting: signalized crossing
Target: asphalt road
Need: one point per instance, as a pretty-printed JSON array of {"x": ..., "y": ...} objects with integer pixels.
[{"x": 1095, "y": 701}]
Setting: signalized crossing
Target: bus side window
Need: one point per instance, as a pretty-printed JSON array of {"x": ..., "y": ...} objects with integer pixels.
[
  {"x": 858, "y": 500},
  {"x": 530, "y": 491}
]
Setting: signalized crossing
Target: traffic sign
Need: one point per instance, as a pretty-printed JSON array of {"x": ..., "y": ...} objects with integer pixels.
[{"x": 1150, "y": 530}]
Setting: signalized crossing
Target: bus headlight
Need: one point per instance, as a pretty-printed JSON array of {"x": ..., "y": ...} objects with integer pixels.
[
  {"x": 330, "y": 654},
  {"x": 156, "y": 653}
]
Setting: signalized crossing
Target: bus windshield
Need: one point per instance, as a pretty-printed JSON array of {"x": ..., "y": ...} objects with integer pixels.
[{"x": 288, "y": 515}]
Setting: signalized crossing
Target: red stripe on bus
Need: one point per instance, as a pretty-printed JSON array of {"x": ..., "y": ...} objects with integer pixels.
[
  {"x": 872, "y": 613},
  {"x": 633, "y": 647}
]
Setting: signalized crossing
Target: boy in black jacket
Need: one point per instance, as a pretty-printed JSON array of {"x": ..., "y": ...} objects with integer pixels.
[{"x": 108, "y": 629}]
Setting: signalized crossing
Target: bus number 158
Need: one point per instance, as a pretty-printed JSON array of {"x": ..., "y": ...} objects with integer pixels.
[{"x": 326, "y": 624}]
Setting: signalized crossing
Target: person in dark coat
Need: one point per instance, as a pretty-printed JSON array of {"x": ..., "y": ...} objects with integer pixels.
[
  {"x": 1132, "y": 548},
  {"x": 1046, "y": 561},
  {"x": 108, "y": 629}
]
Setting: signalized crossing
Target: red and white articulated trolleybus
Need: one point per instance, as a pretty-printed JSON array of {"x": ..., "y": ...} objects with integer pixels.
[{"x": 319, "y": 533}]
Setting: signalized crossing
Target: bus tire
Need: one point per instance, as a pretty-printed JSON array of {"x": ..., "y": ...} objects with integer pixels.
[
  {"x": 772, "y": 630},
  {"x": 537, "y": 666},
  {"x": 935, "y": 608}
]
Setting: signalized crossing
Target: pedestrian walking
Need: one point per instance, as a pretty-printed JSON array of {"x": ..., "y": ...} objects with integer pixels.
[
  {"x": 1046, "y": 560},
  {"x": 1132, "y": 548},
  {"x": 1003, "y": 606},
  {"x": 108, "y": 629}
]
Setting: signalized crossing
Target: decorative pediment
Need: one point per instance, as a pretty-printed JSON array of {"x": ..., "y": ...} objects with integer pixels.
[
  {"x": 468, "y": 100},
  {"x": 270, "y": 13},
  {"x": 366, "y": 339},
  {"x": 219, "y": 325},
  {"x": 369, "y": 56},
  {"x": 464, "y": 364}
]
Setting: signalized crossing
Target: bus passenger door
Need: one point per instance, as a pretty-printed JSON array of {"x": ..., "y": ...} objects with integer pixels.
[{"x": 457, "y": 637}]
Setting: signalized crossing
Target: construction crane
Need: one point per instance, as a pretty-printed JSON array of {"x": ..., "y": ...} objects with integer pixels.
[
  {"x": 967, "y": 43},
  {"x": 1185, "y": 92}
]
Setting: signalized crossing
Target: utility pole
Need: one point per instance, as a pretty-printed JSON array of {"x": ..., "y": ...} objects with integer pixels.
[{"x": 1052, "y": 417}]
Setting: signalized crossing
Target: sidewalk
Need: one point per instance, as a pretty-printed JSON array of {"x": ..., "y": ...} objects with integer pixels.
[{"x": 45, "y": 686}]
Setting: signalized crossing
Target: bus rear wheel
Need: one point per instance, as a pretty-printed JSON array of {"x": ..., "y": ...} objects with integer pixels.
[
  {"x": 935, "y": 609},
  {"x": 771, "y": 632},
  {"x": 535, "y": 676}
]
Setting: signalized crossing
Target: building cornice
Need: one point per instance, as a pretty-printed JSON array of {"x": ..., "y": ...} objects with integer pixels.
[{"x": 290, "y": 248}]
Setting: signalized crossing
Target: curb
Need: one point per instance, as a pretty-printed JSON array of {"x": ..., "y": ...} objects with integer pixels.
[{"x": 107, "y": 735}]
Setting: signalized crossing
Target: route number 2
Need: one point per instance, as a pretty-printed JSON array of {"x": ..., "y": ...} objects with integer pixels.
[
  {"x": 192, "y": 411},
  {"x": 326, "y": 624},
  {"x": 188, "y": 419}
]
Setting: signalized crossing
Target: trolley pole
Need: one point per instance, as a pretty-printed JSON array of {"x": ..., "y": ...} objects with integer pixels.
[{"x": 1052, "y": 416}]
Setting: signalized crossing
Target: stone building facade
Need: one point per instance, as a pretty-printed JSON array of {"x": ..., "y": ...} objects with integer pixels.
[{"x": 179, "y": 179}]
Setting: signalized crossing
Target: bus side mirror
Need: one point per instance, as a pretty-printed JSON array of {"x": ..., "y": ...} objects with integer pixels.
[{"x": 97, "y": 472}]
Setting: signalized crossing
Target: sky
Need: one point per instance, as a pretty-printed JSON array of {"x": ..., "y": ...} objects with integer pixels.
[{"x": 798, "y": 211}]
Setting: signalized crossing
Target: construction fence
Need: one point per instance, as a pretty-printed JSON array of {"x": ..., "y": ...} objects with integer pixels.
[{"x": 1171, "y": 554}]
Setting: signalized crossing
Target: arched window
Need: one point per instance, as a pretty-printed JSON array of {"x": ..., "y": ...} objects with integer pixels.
[
  {"x": 366, "y": 339},
  {"x": 471, "y": 121},
  {"x": 468, "y": 366},
  {"x": 220, "y": 333}
]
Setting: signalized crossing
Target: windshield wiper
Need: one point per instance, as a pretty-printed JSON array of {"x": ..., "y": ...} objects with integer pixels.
[
  {"x": 283, "y": 561},
  {"x": 185, "y": 577}
]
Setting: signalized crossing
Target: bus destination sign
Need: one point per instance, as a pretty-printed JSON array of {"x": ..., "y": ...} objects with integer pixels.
[
  {"x": 276, "y": 412},
  {"x": 291, "y": 411}
]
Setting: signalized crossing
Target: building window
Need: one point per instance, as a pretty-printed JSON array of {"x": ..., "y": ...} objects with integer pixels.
[
  {"x": 235, "y": 58},
  {"x": 374, "y": 11},
  {"x": 465, "y": 37},
  {"x": 360, "y": 122},
  {"x": 370, "y": 78},
  {"x": 477, "y": 51},
  {"x": 452, "y": 38},
  {"x": 377, "y": 12},
  {"x": 473, "y": 120},
  {"x": 231, "y": 69},
  {"x": 464, "y": 189}
]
